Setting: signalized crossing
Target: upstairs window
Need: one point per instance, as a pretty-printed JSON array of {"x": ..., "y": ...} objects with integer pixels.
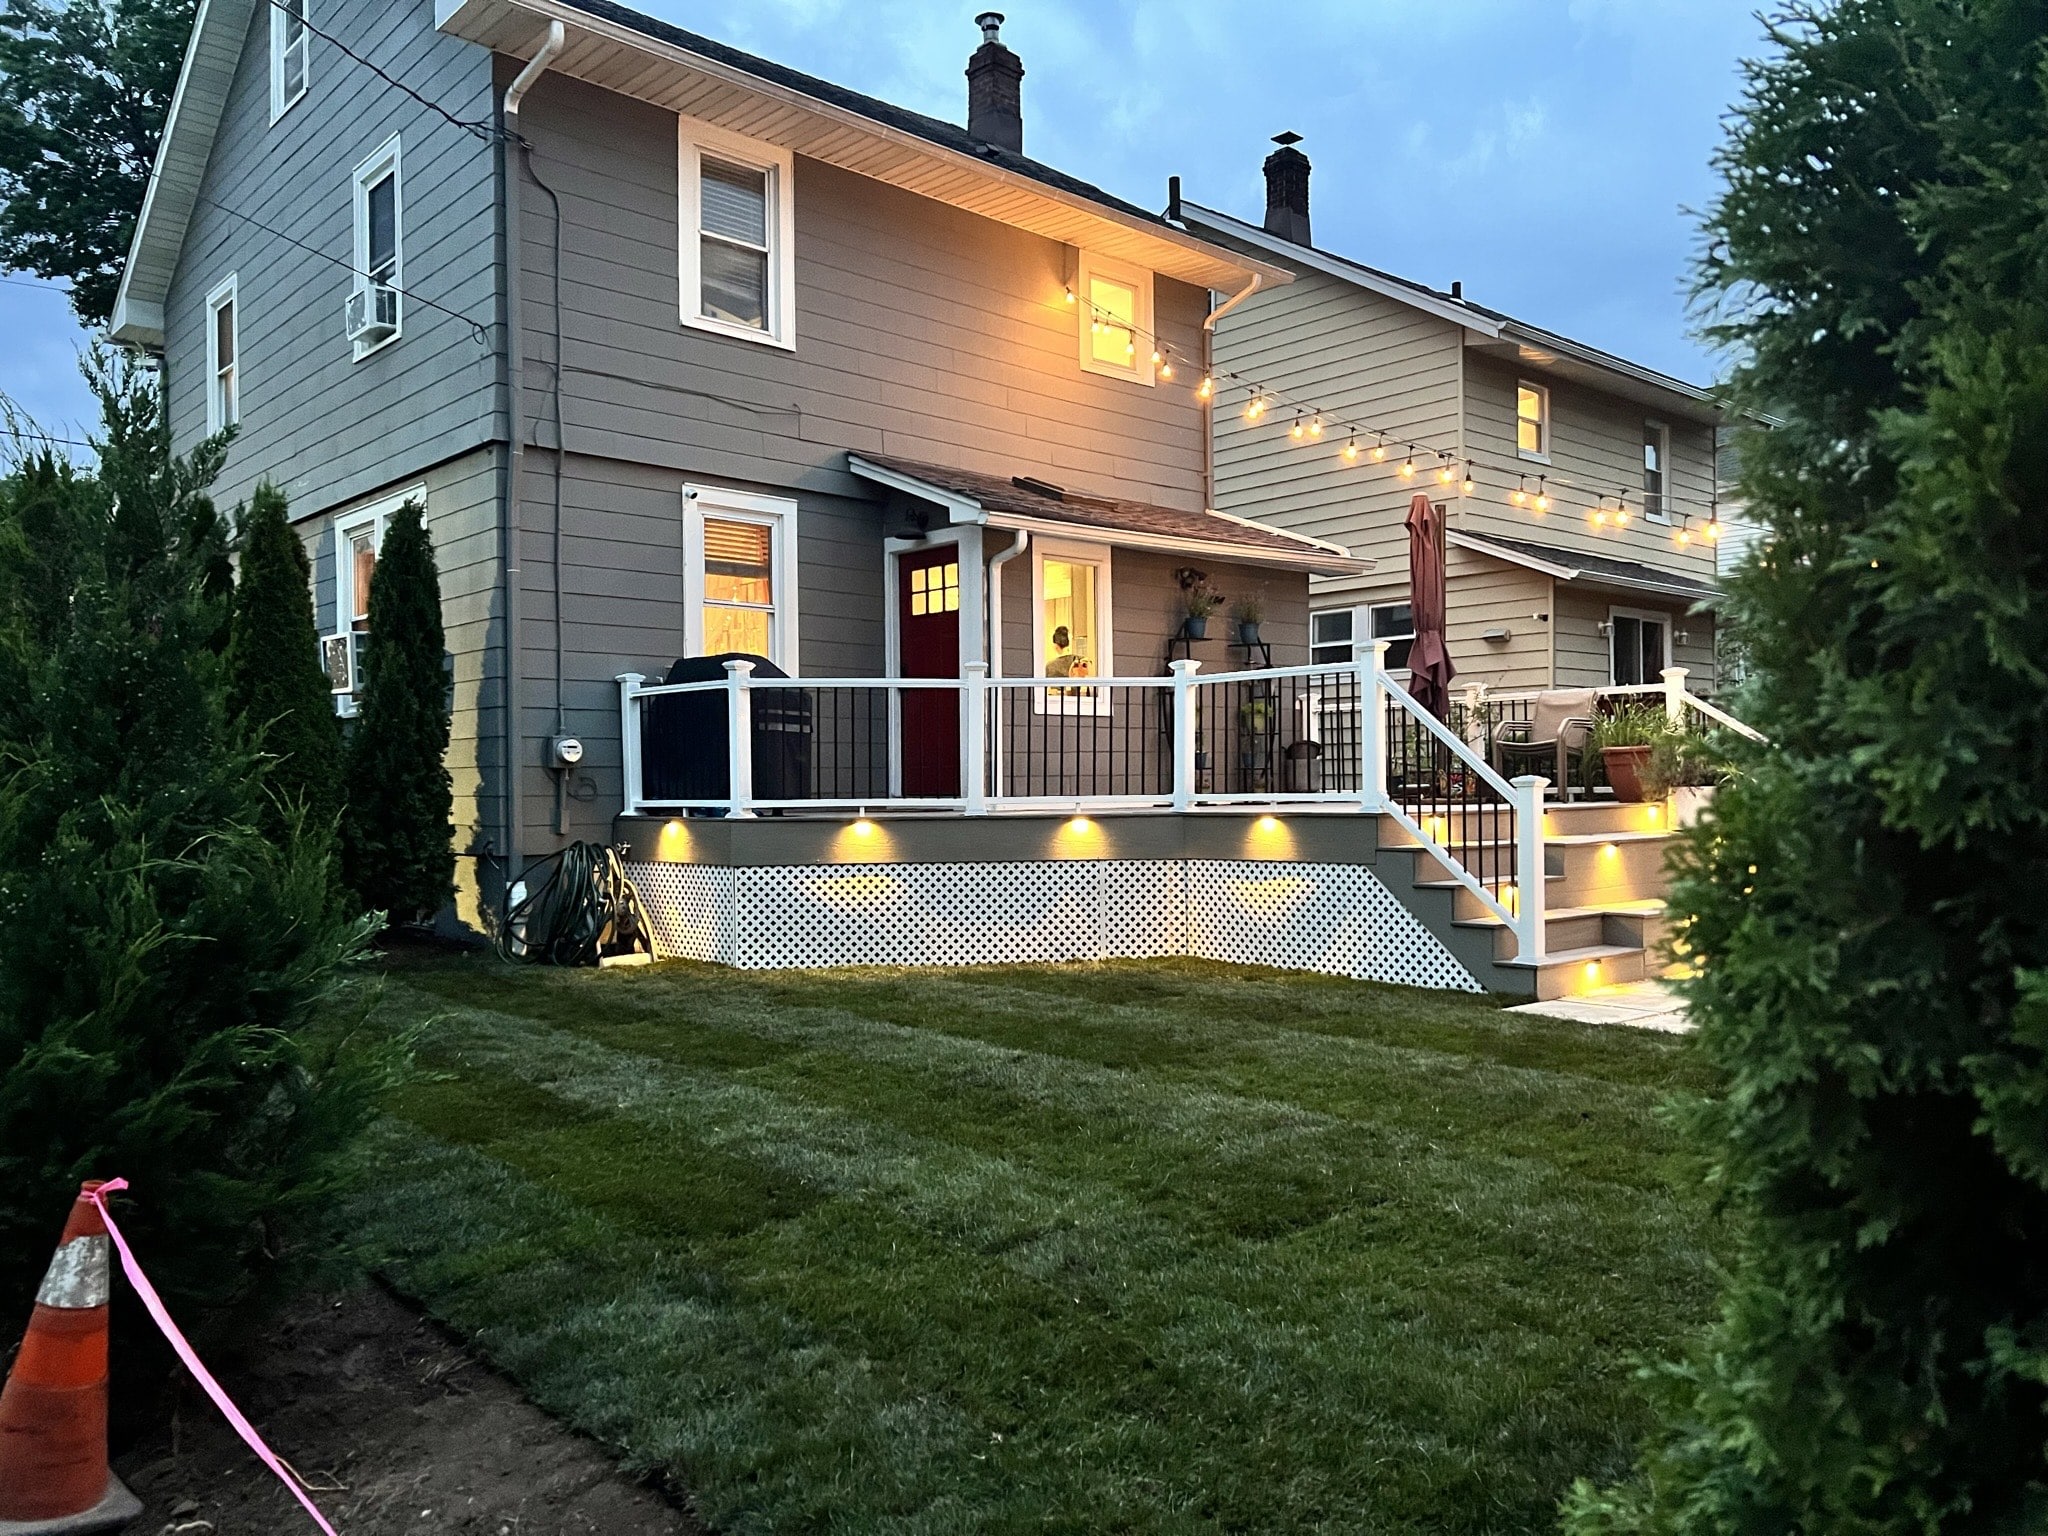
[
  {"x": 223, "y": 358},
  {"x": 290, "y": 55},
  {"x": 1532, "y": 422},
  {"x": 1116, "y": 319},
  {"x": 1656, "y": 471},
  {"x": 738, "y": 265},
  {"x": 380, "y": 244}
]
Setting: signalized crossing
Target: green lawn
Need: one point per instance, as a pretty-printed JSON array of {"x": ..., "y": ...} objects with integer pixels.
[{"x": 1160, "y": 1246}]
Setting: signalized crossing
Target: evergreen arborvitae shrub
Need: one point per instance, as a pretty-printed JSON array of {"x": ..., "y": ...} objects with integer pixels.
[
  {"x": 399, "y": 827},
  {"x": 162, "y": 956},
  {"x": 277, "y": 692},
  {"x": 1866, "y": 901}
]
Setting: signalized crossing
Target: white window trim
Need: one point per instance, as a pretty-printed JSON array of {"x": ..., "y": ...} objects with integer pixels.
[
  {"x": 1549, "y": 422},
  {"x": 1663, "y": 431},
  {"x": 279, "y": 105},
  {"x": 227, "y": 291},
  {"x": 370, "y": 171},
  {"x": 1139, "y": 281},
  {"x": 693, "y": 140},
  {"x": 376, "y": 516},
  {"x": 779, "y": 514},
  {"x": 1092, "y": 701},
  {"x": 1642, "y": 615}
]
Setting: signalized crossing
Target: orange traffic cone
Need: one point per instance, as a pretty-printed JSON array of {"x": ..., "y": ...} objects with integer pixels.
[{"x": 53, "y": 1413}]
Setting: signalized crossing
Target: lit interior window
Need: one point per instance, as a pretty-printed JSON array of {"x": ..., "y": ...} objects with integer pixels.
[
  {"x": 739, "y": 587},
  {"x": 935, "y": 589},
  {"x": 1532, "y": 420},
  {"x": 1067, "y": 619},
  {"x": 1114, "y": 321}
]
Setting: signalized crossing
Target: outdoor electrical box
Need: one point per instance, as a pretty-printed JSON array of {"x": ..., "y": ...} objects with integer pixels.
[{"x": 565, "y": 751}]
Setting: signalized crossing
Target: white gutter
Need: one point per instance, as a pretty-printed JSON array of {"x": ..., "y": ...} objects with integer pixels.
[
  {"x": 536, "y": 66},
  {"x": 1258, "y": 281},
  {"x": 1021, "y": 543}
]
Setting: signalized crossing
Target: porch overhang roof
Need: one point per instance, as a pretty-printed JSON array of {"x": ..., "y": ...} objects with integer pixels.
[
  {"x": 1037, "y": 506},
  {"x": 1589, "y": 570}
]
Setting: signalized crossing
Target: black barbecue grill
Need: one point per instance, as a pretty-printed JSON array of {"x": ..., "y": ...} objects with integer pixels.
[{"x": 683, "y": 736}]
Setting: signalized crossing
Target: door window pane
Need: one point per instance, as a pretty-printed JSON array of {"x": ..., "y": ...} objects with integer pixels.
[
  {"x": 935, "y": 589},
  {"x": 1067, "y": 619}
]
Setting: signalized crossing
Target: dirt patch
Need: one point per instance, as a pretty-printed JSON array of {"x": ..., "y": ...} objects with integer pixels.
[{"x": 410, "y": 1434}]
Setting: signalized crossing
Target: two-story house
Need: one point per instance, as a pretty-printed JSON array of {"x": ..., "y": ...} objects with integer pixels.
[
  {"x": 823, "y": 502},
  {"x": 1580, "y": 489}
]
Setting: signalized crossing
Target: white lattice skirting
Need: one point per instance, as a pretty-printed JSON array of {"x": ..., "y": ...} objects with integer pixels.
[{"x": 1334, "y": 918}]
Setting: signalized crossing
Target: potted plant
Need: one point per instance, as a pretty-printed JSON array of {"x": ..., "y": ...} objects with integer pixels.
[
  {"x": 1197, "y": 602},
  {"x": 1247, "y": 613},
  {"x": 1685, "y": 770},
  {"x": 1624, "y": 740}
]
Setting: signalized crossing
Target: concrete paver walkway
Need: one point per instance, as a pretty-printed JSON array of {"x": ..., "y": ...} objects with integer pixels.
[{"x": 1637, "y": 1004}]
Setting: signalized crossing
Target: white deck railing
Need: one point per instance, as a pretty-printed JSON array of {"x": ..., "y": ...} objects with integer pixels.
[{"x": 1344, "y": 738}]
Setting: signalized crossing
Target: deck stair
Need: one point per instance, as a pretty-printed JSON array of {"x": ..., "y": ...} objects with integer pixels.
[{"x": 1604, "y": 888}]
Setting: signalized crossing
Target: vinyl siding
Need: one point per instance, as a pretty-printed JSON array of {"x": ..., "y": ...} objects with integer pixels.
[
  {"x": 462, "y": 521},
  {"x": 324, "y": 427},
  {"x": 921, "y": 331},
  {"x": 1360, "y": 356},
  {"x": 1596, "y": 449}
]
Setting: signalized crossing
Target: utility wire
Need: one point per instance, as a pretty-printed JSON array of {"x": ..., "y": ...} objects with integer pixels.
[{"x": 297, "y": 12}]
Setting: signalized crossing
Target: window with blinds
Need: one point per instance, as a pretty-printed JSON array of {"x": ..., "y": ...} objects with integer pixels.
[
  {"x": 739, "y": 587},
  {"x": 736, "y": 261},
  {"x": 734, "y": 253}
]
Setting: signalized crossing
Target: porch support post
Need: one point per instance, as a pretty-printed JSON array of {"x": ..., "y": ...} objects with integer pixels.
[
  {"x": 629, "y": 736},
  {"x": 1370, "y": 657},
  {"x": 1674, "y": 697},
  {"x": 974, "y": 738},
  {"x": 1529, "y": 869},
  {"x": 739, "y": 737},
  {"x": 1184, "y": 733}
]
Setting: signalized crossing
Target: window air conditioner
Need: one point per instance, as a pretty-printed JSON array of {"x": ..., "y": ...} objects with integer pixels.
[{"x": 373, "y": 313}]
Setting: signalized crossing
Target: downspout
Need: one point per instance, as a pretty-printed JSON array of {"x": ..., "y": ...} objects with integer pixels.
[
  {"x": 1209, "y": 372},
  {"x": 515, "y": 411},
  {"x": 994, "y": 651}
]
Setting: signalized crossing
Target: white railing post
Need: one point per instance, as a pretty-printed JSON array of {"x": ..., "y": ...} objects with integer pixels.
[
  {"x": 629, "y": 736},
  {"x": 974, "y": 738},
  {"x": 1184, "y": 733},
  {"x": 1370, "y": 657},
  {"x": 1529, "y": 870},
  {"x": 739, "y": 737},
  {"x": 1674, "y": 697}
]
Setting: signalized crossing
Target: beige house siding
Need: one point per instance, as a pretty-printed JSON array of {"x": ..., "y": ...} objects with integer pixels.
[
  {"x": 1481, "y": 595},
  {"x": 1360, "y": 356},
  {"x": 1583, "y": 658},
  {"x": 1596, "y": 448}
]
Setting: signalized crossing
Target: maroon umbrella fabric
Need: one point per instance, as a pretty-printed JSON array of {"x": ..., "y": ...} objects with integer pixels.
[{"x": 1429, "y": 660}]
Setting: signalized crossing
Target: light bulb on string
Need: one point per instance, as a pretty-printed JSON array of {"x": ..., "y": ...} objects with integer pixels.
[
  {"x": 1158, "y": 357},
  {"x": 1130, "y": 347},
  {"x": 1297, "y": 429},
  {"x": 1468, "y": 485},
  {"x": 1598, "y": 516},
  {"x": 1255, "y": 407},
  {"x": 1542, "y": 496},
  {"x": 1315, "y": 426},
  {"x": 1408, "y": 464},
  {"x": 1166, "y": 366},
  {"x": 1206, "y": 390},
  {"x": 1520, "y": 495},
  {"x": 1379, "y": 450},
  {"x": 1621, "y": 511},
  {"x": 1351, "y": 449},
  {"x": 1070, "y": 293},
  {"x": 1444, "y": 472}
]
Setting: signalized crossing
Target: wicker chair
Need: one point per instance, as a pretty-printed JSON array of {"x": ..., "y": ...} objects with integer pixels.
[{"x": 1552, "y": 741}]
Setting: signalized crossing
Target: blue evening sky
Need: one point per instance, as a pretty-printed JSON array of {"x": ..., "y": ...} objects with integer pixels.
[{"x": 1544, "y": 152}]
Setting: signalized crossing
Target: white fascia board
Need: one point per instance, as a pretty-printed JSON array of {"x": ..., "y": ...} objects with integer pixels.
[
  {"x": 1314, "y": 562},
  {"x": 1346, "y": 271},
  {"x": 204, "y": 80},
  {"x": 959, "y": 509}
]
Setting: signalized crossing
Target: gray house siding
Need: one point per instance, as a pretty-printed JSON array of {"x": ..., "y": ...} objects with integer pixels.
[
  {"x": 462, "y": 521},
  {"x": 324, "y": 427}
]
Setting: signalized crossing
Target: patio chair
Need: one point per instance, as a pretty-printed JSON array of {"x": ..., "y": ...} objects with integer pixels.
[{"x": 1552, "y": 741}]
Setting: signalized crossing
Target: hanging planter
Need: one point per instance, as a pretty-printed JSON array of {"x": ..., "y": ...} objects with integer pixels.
[{"x": 1197, "y": 601}]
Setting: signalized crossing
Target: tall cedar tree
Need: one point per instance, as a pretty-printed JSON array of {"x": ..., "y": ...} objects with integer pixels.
[
  {"x": 161, "y": 955},
  {"x": 1866, "y": 903},
  {"x": 277, "y": 693},
  {"x": 399, "y": 848},
  {"x": 85, "y": 86}
]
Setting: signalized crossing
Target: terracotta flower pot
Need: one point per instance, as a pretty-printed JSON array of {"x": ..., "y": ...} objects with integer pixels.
[{"x": 1625, "y": 770}]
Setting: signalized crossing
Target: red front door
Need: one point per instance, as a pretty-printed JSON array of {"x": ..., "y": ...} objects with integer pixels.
[{"x": 928, "y": 631}]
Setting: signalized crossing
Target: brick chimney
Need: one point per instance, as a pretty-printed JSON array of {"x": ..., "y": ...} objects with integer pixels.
[
  {"x": 995, "y": 101},
  {"x": 1287, "y": 190}
]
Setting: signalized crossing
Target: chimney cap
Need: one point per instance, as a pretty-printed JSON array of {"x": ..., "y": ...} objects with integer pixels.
[
  {"x": 1285, "y": 140},
  {"x": 991, "y": 24}
]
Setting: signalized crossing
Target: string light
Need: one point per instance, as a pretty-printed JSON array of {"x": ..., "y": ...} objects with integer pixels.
[
  {"x": 1255, "y": 407},
  {"x": 1206, "y": 390},
  {"x": 1351, "y": 449},
  {"x": 1158, "y": 357},
  {"x": 1468, "y": 485},
  {"x": 1444, "y": 473},
  {"x": 1408, "y": 464},
  {"x": 1542, "y": 499},
  {"x": 1520, "y": 495},
  {"x": 1070, "y": 293},
  {"x": 1379, "y": 450},
  {"x": 1297, "y": 429},
  {"x": 1166, "y": 367},
  {"x": 1621, "y": 511},
  {"x": 1315, "y": 426}
]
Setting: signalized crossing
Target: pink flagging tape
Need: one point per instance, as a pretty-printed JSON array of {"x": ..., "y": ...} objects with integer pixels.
[{"x": 200, "y": 1373}]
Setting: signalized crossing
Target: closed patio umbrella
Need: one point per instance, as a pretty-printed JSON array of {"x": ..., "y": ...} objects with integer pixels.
[{"x": 1429, "y": 659}]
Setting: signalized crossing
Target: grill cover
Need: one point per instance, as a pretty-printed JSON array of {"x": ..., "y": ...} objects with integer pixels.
[{"x": 683, "y": 736}]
